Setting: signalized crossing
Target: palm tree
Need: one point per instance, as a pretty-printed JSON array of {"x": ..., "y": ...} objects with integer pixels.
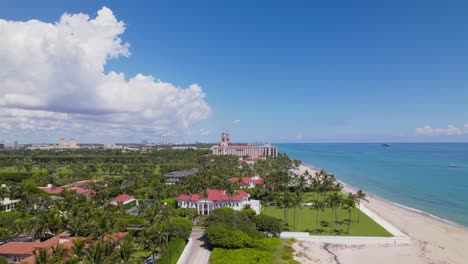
[
  {"x": 318, "y": 205},
  {"x": 204, "y": 195},
  {"x": 360, "y": 196},
  {"x": 58, "y": 253},
  {"x": 126, "y": 249},
  {"x": 296, "y": 202},
  {"x": 230, "y": 191},
  {"x": 78, "y": 248},
  {"x": 96, "y": 253},
  {"x": 41, "y": 256},
  {"x": 349, "y": 204},
  {"x": 334, "y": 200}
]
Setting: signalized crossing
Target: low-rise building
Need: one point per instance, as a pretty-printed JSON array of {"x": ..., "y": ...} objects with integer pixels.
[
  {"x": 216, "y": 199},
  {"x": 175, "y": 176},
  {"x": 247, "y": 182},
  {"x": 123, "y": 199},
  {"x": 8, "y": 204}
]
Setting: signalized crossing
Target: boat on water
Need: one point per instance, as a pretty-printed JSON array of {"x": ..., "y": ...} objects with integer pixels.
[
  {"x": 452, "y": 165},
  {"x": 385, "y": 145}
]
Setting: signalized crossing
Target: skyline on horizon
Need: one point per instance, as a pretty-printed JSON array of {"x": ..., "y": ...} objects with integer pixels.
[{"x": 105, "y": 72}]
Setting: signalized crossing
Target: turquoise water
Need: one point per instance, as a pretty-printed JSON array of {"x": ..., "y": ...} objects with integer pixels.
[{"x": 416, "y": 175}]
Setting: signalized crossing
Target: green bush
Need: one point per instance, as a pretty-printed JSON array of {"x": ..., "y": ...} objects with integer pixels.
[
  {"x": 3, "y": 260},
  {"x": 172, "y": 253},
  {"x": 179, "y": 227},
  {"x": 244, "y": 256},
  {"x": 171, "y": 202},
  {"x": 224, "y": 236},
  {"x": 270, "y": 224}
]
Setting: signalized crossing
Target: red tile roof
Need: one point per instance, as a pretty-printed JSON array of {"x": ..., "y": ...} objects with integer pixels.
[
  {"x": 122, "y": 198},
  {"x": 52, "y": 189},
  {"x": 26, "y": 248},
  {"x": 214, "y": 195},
  {"x": 83, "y": 183},
  {"x": 57, "y": 190},
  {"x": 115, "y": 236},
  {"x": 247, "y": 180}
]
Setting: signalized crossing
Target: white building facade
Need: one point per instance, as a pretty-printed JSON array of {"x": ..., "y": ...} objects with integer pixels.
[{"x": 216, "y": 199}]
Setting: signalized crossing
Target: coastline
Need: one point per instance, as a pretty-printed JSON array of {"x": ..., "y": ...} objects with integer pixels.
[
  {"x": 352, "y": 188},
  {"x": 433, "y": 239}
]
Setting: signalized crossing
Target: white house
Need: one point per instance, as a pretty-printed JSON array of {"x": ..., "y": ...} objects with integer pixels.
[
  {"x": 123, "y": 199},
  {"x": 8, "y": 204},
  {"x": 216, "y": 199},
  {"x": 247, "y": 182}
]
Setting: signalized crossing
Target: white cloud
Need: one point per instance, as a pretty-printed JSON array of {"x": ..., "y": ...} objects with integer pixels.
[
  {"x": 450, "y": 130},
  {"x": 205, "y": 132},
  {"x": 236, "y": 121},
  {"x": 52, "y": 77}
]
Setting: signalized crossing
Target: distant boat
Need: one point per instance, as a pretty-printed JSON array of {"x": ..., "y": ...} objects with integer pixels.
[
  {"x": 385, "y": 145},
  {"x": 452, "y": 165}
]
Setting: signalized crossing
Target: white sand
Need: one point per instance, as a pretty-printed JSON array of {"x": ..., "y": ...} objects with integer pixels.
[{"x": 433, "y": 241}]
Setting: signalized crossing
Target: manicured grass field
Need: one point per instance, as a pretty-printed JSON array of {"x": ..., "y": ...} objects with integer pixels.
[{"x": 306, "y": 222}]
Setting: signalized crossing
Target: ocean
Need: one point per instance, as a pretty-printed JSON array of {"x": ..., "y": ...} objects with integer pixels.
[{"x": 415, "y": 175}]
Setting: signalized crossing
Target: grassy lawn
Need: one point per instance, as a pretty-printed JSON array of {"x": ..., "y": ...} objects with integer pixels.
[
  {"x": 306, "y": 222},
  {"x": 279, "y": 252}
]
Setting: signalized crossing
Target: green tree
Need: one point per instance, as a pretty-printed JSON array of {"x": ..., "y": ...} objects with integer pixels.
[
  {"x": 334, "y": 200},
  {"x": 349, "y": 204},
  {"x": 360, "y": 196},
  {"x": 269, "y": 224}
]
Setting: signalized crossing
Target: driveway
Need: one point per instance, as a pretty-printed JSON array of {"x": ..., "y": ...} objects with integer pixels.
[{"x": 198, "y": 249}]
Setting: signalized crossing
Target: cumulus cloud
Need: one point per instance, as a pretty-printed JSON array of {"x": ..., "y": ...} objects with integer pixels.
[
  {"x": 52, "y": 77},
  {"x": 450, "y": 130}
]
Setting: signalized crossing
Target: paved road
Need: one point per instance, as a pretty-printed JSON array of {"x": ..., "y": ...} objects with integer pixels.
[{"x": 199, "y": 250}]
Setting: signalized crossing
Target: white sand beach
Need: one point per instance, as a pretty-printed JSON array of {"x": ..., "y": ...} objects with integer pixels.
[{"x": 432, "y": 240}]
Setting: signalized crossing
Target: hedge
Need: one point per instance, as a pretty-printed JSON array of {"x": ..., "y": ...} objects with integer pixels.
[{"x": 244, "y": 256}]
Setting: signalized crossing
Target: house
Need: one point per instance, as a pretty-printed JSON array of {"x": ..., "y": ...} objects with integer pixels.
[
  {"x": 84, "y": 184},
  {"x": 7, "y": 204},
  {"x": 57, "y": 190},
  {"x": 23, "y": 252},
  {"x": 123, "y": 199},
  {"x": 216, "y": 199},
  {"x": 175, "y": 176},
  {"x": 247, "y": 182}
]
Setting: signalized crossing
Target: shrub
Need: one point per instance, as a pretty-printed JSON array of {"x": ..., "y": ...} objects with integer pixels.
[
  {"x": 224, "y": 236},
  {"x": 245, "y": 256},
  {"x": 179, "y": 227},
  {"x": 269, "y": 224},
  {"x": 171, "y": 202}
]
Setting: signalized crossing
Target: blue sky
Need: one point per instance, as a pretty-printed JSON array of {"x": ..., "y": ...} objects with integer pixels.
[{"x": 291, "y": 71}]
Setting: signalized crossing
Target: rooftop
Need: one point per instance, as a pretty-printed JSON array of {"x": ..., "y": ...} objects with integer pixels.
[{"x": 214, "y": 195}]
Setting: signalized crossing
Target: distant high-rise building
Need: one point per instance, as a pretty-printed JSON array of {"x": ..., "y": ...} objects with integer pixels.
[{"x": 225, "y": 147}]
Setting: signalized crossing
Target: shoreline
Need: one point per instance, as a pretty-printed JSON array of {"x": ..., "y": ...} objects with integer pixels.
[
  {"x": 433, "y": 239},
  {"x": 376, "y": 196}
]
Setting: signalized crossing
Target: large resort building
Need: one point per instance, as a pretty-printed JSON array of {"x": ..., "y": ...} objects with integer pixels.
[{"x": 225, "y": 147}]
